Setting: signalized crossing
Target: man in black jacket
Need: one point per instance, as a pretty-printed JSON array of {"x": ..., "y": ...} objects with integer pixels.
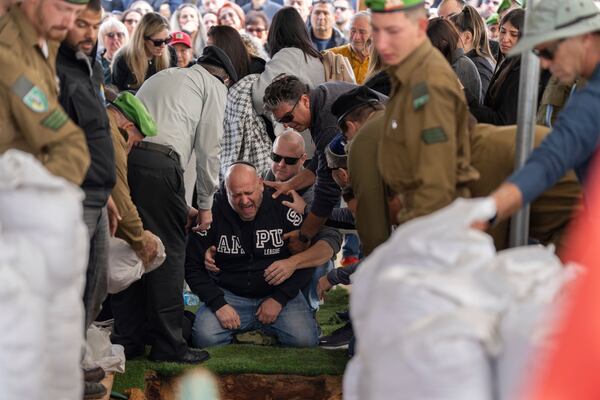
[
  {"x": 254, "y": 288},
  {"x": 82, "y": 98}
]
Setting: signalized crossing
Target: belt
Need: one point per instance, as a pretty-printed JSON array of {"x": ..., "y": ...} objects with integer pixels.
[{"x": 159, "y": 148}]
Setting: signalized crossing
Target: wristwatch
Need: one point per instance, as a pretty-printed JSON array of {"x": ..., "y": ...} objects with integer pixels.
[{"x": 302, "y": 237}]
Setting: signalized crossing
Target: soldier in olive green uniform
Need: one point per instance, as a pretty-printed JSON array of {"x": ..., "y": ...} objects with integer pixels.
[
  {"x": 424, "y": 151},
  {"x": 493, "y": 149},
  {"x": 31, "y": 119}
]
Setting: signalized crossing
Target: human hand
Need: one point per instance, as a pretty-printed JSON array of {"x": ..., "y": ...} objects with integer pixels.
[
  {"x": 323, "y": 286},
  {"x": 113, "y": 216},
  {"x": 294, "y": 243},
  {"x": 133, "y": 138},
  {"x": 149, "y": 249},
  {"x": 203, "y": 220},
  {"x": 268, "y": 311},
  {"x": 209, "y": 260},
  {"x": 279, "y": 271},
  {"x": 298, "y": 204},
  {"x": 280, "y": 187},
  {"x": 228, "y": 317},
  {"x": 191, "y": 218}
]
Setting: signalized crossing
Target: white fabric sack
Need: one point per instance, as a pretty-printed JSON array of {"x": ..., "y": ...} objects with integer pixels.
[
  {"x": 48, "y": 211},
  {"x": 125, "y": 267},
  {"x": 100, "y": 352},
  {"x": 22, "y": 319},
  {"x": 402, "y": 298},
  {"x": 536, "y": 278}
]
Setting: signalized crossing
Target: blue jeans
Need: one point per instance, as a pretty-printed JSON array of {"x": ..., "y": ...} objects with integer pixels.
[
  {"x": 351, "y": 246},
  {"x": 294, "y": 327},
  {"x": 310, "y": 290}
]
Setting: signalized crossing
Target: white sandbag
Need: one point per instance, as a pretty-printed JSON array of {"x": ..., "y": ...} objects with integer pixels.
[
  {"x": 49, "y": 210},
  {"x": 22, "y": 319},
  {"x": 442, "y": 358},
  {"x": 125, "y": 267},
  {"x": 100, "y": 352},
  {"x": 537, "y": 280},
  {"x": 400, "y": 302},
  {"x": 65, "y": 344}
]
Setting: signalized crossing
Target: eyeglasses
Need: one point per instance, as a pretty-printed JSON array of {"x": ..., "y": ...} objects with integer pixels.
[
  {"x": 117, "y": 34},
  {"x": 548, "y": 53},
  {"x": 288, "y": 160},
  {"x": 289, "y": 116},
  {"x": 159, "y": 42}
]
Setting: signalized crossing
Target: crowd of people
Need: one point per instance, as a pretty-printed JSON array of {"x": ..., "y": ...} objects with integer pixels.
[{"x": 292, "y": 127}]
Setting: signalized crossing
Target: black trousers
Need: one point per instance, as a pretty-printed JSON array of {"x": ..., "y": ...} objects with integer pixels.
[{"x": 151, "y": 310}]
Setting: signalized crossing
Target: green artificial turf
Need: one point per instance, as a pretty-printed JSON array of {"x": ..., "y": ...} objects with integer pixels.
[{"x": 240, "y": 359}]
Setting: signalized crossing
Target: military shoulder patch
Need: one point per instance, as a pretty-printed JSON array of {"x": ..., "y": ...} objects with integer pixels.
[
  {"x": 55, "y": 120},
  {"x": 32, "y": 96},
  {"x": 434, "y": 135},
  {"x": 420, "y": 95}
]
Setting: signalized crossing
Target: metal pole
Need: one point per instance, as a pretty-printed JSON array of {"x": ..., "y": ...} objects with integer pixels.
[{"x": 528, "y": 94}]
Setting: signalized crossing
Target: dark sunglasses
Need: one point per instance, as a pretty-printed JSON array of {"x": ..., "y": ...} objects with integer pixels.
[
  {"x": 547, "y": 53},
  {"x": 289, "y": 116},
  {"x": 288, "y": 160},
  {"x": 159, "y": 42},
  {"x": 112, "y": 35}
]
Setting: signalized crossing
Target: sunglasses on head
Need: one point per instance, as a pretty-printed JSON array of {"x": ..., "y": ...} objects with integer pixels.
[
  {"x": 289, "y": 116},
  {"x": 159, "y": 42},
  {"x": 112, "y": 35},
  {"x": 547, "y": 53},
  {"x": 288, "y": 160}
]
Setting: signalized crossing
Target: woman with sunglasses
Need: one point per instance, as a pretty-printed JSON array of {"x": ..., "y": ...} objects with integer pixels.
[
  {"x": 112, "y": 36},
  {"x": 146, "y": 53},
  {"x": 500, "y": 105}
]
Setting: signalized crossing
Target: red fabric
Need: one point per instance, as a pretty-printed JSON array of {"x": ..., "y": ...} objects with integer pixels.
[{"x": 571, "y": 371}]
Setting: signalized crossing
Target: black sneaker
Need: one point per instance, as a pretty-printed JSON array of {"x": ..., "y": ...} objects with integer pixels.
[
  {"x": 338, "y": 339},
  {"x": 93, "y": 390},
  {"x": 343, "y": 315}
]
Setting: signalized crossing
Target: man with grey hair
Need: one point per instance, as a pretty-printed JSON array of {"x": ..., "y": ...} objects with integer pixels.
[
  {"x": 359, "y": 49},
  {"x": 449, "y": 8},
  {"x": 565, "y": 35}
]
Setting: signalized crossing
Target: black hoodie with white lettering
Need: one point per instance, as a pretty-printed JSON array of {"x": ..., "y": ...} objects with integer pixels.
[{"x": 244, "y": 250}]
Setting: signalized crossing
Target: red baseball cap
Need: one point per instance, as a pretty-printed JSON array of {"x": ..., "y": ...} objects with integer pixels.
[{"x": 181, "y": 37}]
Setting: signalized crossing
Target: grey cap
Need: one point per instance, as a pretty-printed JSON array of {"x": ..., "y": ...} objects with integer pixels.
[{"x": 558, "y": 19}]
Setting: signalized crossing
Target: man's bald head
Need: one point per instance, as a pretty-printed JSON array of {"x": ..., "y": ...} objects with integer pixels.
[
  {"x": 292, "y": 140},
  {"x": 287, "y": 147},
  {"x": 244, "y": 190},
  {"x": 448, "y": 8}
]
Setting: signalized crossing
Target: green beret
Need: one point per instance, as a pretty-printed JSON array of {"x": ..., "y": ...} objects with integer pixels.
[
  {"x": 135, "y": 111},
  {"x": 506, "y": 4},
  {"x": 493, "y": 19},
  {"x": 384, "y": 6}
]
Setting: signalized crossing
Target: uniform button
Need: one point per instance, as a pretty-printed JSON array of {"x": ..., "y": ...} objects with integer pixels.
[{"x": 394, "y": 124}]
